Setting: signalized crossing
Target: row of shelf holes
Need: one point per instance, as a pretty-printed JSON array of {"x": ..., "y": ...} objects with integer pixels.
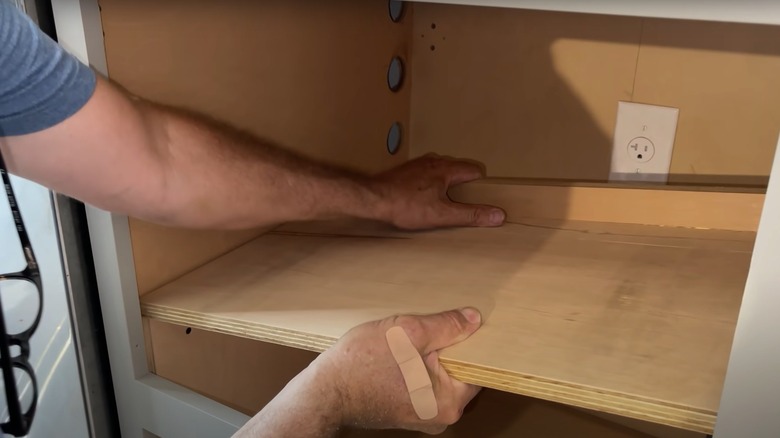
[{"x": 395, "y": 79}]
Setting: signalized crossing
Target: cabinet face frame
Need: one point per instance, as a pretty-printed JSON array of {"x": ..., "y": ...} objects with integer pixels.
[
  {"x": 751, "y": 393},
  {"x": 149, "y": 403}
]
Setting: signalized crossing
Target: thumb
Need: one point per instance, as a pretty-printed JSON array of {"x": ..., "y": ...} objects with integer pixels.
[
  {"x": 456, "y": 214},
  {"x": 448, "y": 328}
]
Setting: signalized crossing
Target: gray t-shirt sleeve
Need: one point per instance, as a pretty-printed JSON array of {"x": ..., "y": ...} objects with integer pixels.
[{"x": 40, "y": 83}]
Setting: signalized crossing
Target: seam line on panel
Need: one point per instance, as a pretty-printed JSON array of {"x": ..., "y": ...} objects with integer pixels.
[{"x": 638, "y": 53}]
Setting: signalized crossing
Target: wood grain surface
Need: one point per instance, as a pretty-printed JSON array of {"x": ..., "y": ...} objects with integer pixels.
[
  {"x": 626, "y": 319},
  {"x": 246, "y": 374}
]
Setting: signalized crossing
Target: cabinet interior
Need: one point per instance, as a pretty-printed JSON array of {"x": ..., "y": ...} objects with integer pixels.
[{"x": 533, "y": 96}]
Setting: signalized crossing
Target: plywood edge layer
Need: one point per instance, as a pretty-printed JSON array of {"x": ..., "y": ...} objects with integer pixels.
[
  {"x": 259, "y": 332},
  {"x": 642, "y": 408},
  {"x": 717, "y": 210},
  {"x": 690, "y": 418}
]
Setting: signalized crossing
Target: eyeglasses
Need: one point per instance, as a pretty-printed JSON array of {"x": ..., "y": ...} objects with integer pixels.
[{"x": 19, "y": 289}]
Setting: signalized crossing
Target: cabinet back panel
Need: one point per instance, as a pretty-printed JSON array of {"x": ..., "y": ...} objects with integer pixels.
[
  {"x": 494, "y": 90},
  {"x": 724, "y": 79},
  {"x": 534, "y": 94},
  {"x": 305, "y": 74}
]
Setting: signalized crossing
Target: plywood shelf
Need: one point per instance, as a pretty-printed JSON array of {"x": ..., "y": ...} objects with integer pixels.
[{"x": 629, "y": 319}]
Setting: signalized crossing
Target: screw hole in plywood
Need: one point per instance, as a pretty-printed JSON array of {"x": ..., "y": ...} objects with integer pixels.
[
  {"x": 433, "y": 48},
  {"x": 188, "y": 331}
]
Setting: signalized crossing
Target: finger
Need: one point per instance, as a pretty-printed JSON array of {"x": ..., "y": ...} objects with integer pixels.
[
  {"x": 458, "y": 172},
  {"x": 460, "y": 395},
  {"x": 431, "y": 361},
  {"x": 447, "y": 328},
  {"x": 453, "y": 395},
  {"x": 464, "y": 392},
  {"x": 454, "y": 214}
]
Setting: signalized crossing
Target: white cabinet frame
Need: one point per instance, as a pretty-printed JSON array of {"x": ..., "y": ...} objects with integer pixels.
[{"x": 146, "y": 402}]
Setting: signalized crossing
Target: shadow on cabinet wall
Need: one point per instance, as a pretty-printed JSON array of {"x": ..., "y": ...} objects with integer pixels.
[{"x": 534, "y": 94}]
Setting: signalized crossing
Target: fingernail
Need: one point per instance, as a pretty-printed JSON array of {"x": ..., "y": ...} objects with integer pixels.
[
  {"x": 471, "y": 314},
  {"x": 497, "y": 217}
]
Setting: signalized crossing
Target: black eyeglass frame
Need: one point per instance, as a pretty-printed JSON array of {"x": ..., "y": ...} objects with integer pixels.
[{"x": 19, "y": 422}]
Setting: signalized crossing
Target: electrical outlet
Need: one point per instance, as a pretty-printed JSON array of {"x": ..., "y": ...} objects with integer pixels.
[{"x": 643, "y": 143}]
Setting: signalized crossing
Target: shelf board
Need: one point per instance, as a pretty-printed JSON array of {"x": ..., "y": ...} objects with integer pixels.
[
  {"x": 628, "y": 319},
  {"x": 737, "y": 209}
]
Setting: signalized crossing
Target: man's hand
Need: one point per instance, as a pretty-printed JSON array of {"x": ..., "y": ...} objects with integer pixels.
[
  {"x": 372, "y": 389},
  {"x": 415, "y": 195},
  {"x": 357, "y": 382}
]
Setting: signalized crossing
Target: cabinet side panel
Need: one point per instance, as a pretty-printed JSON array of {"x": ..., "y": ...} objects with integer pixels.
[
  {"x": 305, "y": 74},
  {"x": 534, "y": 94},
  {"x": 162, "y": 254},
  {"x": 237, "y": 372}
]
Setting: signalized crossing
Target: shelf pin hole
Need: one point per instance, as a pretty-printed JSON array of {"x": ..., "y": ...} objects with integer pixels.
[
  {"x": 394, "y": 137},
  {"x": 395, "y": 74},
  {"x": 396, "y": 10}
]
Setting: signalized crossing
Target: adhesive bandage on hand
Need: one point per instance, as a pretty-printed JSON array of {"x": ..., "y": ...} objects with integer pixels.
[{"x": 416, "y": 377}]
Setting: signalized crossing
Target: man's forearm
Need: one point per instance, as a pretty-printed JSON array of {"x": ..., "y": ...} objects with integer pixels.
[
  {"x": 129, "y": 156},
  {"x": 216, "y": 176},
  {"x": 308, "y": 407}
]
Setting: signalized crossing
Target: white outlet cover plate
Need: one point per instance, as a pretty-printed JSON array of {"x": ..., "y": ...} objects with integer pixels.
[{"x": 643, "y": 142}]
